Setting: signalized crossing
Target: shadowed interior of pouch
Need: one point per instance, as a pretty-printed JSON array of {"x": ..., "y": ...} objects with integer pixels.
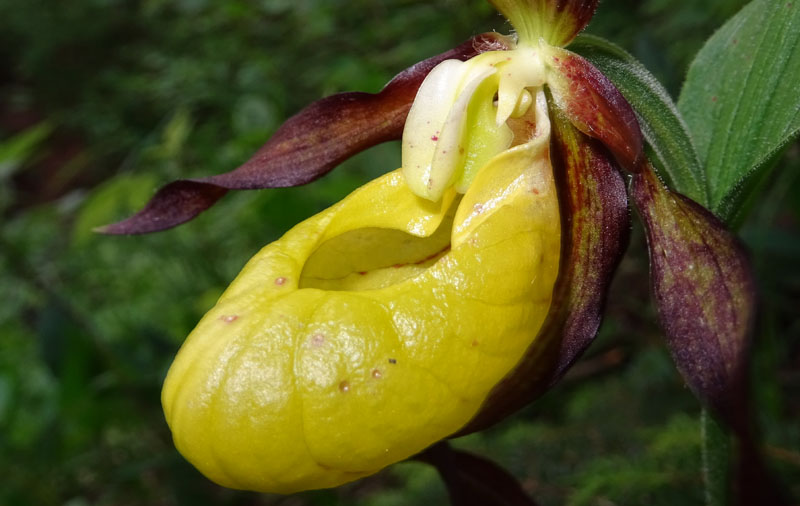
[{"x": 373, "y": 258}]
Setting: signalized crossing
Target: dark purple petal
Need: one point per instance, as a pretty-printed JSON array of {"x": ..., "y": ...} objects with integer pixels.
[
  {"x": 474, "y": 481},
  {"x": 306, "y": 147},
  {"x": 595, "y": 106},
  {"x": 596, "y": 232},
  {"x": 705, "y": 293},
  {"x": 595, "y": 229}
]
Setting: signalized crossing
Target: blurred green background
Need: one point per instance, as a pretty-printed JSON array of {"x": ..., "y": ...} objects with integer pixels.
[{"x": 101, "y": 101}]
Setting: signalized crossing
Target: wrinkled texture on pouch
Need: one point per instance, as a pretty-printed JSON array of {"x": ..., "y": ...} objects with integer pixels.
[{"x": 385, "y": 320}]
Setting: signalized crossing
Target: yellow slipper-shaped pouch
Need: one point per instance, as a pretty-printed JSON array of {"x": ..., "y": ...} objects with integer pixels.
[{"x": 370, "y": 330}]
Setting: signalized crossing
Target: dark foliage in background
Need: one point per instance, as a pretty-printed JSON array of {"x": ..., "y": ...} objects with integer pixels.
[{"x": 103, "y": 100}]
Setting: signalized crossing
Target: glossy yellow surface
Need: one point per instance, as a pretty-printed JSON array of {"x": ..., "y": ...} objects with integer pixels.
[{"x": 369, "y": 331}]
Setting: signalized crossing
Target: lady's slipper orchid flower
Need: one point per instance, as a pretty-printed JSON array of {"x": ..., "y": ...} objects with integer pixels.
[{"x": 445, "y": 295}]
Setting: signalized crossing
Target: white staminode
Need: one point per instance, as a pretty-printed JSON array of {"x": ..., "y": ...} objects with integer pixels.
[{"x": 457, "y": 122}]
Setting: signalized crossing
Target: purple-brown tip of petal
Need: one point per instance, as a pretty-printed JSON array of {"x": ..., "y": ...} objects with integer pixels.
[
  {"x": 595, "y": 230},
  {"x": 596, "y": 107},
  {"x": 704, "y": 291},
  {"x": 306, "y": 147},
  {"x": 472, "y": 480},
  {"x": 173, "y": 204}
]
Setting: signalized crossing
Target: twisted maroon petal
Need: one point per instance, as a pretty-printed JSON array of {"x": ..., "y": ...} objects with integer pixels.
[
  {"x": 306, "y": 147},
  {"x": 594, "y": 233}
]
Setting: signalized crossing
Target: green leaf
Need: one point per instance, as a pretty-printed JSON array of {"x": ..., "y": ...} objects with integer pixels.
[
  {"x": 15, "y": 150},
  {"x": 662, "y": 125},
  {"x": 740, "y": 100},
  {"x": 112, "y": 199}
]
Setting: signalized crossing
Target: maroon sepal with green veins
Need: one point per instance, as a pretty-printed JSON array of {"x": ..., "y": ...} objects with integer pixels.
[
  {"x": 595, "y": 228},
  {"x": 306, "y": 147},
  {"x": 595, "y": 233},
  {"x": 472, "y": 480},
  {"x": 704, "y": 291},
  {"x": 595, "y": 106}
]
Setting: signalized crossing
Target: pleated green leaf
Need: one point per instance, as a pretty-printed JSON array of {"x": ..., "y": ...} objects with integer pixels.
[
  {"x": 664, "y": 129},
  {"x": 741, "y": 100}
]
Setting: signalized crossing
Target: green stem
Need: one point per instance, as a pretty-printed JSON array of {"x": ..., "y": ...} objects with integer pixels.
[{"x": 716, "y": 460}]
